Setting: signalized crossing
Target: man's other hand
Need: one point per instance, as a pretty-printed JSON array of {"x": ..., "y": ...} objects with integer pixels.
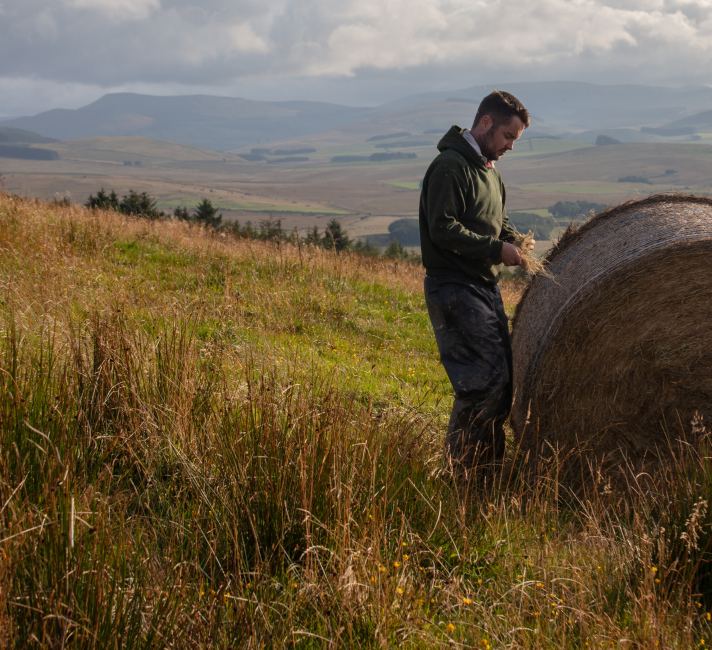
[
  {"x": 511, "y": 255},
  {"x": 530, "y": 245}
]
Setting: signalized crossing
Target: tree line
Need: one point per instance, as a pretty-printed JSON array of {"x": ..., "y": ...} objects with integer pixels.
[{"x": 334, "y": 237}]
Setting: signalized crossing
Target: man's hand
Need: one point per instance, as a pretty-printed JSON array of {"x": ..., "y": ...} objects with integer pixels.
[{"x": 511, "y": 255}]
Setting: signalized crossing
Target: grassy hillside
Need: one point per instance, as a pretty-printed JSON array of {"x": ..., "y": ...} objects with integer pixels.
[{"x": 216, "y": 443}]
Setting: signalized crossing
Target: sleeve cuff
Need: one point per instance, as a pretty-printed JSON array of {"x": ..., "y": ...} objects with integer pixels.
[{"x": 496, "y": 249}]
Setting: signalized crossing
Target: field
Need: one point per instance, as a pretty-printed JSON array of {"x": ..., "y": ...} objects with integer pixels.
[
  {"x": 365, "y": 196},
  {"x": 217, "y": 443}
]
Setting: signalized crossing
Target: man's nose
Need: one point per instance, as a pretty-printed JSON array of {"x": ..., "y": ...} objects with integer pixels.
[{"x": 510, "y": 145}]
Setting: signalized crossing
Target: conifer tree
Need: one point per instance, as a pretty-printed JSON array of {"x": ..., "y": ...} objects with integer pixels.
[
  {"x": 335, "y": 236},
  {"x": 313, "y": 237},
  {"x": 140, "y": 205},
  {"x": 103, "y": 201},
  {"x": 182, "y": 214},
  {"x": 207, "y": 214}
]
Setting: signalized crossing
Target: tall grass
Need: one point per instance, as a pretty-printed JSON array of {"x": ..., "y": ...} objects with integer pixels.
[{"x": 208, "y": 443}]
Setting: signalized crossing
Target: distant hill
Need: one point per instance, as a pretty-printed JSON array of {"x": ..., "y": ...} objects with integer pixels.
[
  {"x": 218, "y": 123},
  {"x": 701, "y": 122},
  {"x": 9, "y": 135},
  {"x": 585, "y": 106},
  {"x": 227, "y": 123}
]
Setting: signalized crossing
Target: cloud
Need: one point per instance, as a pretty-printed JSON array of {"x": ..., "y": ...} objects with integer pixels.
[
  {"x": 119, "y": 9},
  {"x": 232, "y": 43},
  {"x": 496, "y": 35}
]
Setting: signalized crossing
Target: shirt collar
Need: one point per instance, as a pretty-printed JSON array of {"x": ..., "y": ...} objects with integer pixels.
[{"x": 473, "y": 143}]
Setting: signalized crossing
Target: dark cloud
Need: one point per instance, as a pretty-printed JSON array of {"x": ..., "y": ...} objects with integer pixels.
[{"x": 322, "y": 46}]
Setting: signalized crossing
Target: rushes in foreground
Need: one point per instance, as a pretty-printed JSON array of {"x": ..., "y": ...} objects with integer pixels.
[{"x": 166, "y": 483}]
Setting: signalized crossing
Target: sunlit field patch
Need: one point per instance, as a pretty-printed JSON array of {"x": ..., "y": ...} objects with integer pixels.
[{"x": 216, "y": 443}]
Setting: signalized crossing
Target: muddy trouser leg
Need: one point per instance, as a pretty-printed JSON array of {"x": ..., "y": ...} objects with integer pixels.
[{"x": 472, "y": 335}]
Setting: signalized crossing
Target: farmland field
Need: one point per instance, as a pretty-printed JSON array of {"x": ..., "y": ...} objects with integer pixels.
[
  {"x": 366, "y": 196},
  {"x": 211, "y": 442}
]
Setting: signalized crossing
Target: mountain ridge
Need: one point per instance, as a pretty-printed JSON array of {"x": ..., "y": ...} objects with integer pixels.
[
  {"x": 217, "y": 123},
  {"x": 230, "y": 123}
]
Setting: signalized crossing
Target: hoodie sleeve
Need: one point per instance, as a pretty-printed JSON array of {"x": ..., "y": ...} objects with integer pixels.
[
  {"x": 509, "y": 232},
  {"x": 446, "y": 201}
]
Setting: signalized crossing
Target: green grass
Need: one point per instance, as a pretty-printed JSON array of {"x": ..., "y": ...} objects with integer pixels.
[{"x": 211, "y": 443}]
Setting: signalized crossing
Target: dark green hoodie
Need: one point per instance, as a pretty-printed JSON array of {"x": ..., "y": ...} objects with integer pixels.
[{"x": 463, "y": 223}]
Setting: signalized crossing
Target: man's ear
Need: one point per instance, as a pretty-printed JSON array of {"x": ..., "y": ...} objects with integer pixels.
[{"x": 485, "y": 123}]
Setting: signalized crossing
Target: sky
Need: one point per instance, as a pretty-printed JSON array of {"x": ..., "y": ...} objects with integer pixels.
[{"x": 68, "y": 53}]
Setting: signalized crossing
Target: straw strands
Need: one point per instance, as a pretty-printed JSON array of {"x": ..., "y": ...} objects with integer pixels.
[
  {"x": 614, "y": 354},
  {"x": 531, "y": 264}
]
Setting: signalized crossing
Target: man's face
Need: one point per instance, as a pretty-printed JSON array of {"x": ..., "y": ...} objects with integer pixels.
[{"x": 498, "y": 140}]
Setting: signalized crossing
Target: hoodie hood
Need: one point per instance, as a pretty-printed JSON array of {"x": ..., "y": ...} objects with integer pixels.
[{"x": 453, "y": 140}]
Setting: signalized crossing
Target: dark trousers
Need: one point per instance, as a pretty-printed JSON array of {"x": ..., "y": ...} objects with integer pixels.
[{"x": 472, "y": 334}]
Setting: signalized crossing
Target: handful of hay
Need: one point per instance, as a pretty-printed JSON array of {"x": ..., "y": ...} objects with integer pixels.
[
  {"x": 616, "y": 354},
  {"x": 531, "y": 264}
]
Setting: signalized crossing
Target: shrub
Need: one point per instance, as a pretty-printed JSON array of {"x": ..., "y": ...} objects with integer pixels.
[
  {"x": 634, "y": 179},
  {"x": 406, "y": 231},
  {"x": 348, "y": 159},
  {"x": 290, "y": 159},
  {"x": 396, "y": 155},
  {"x": 291, "y": 152},
  {"x": 366, "y": 248},
  {"x": 541, "y": 227},
  {"x": 27, "y": 153},
  {"x": 400, "y": 134},
  {"x": 602, "y": 140},
  {"x": 574, "y": 209},
  {"x": 407, "y": 143}
]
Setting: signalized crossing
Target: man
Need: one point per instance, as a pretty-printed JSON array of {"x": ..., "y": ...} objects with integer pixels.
[{"x": 466, "y": 241}]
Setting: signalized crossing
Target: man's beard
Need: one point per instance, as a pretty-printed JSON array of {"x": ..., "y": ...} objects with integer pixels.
[{"x": 487, "y": 145}]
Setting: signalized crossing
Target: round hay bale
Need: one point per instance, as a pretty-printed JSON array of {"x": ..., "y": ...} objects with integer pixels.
[{"x": 615, "y": 353}]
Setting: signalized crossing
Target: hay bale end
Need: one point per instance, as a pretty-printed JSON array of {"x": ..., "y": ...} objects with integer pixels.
[{"x": 615, "y": 352}]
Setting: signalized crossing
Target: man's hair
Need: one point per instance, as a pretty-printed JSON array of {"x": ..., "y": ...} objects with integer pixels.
[{"x": 501, "y": 107}]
